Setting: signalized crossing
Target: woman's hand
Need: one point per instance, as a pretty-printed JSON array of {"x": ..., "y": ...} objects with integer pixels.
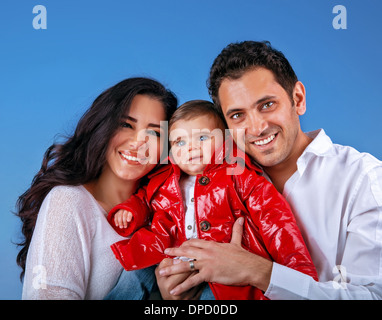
[
  {"x": 168, "y": 283},
  {"x": 224, "y": 263}
]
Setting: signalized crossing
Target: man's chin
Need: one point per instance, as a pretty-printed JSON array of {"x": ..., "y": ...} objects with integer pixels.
[{"x": 264, "y": 160}]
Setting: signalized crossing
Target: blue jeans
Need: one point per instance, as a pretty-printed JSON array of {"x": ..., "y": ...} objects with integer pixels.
[{"x": 140, "y": 284}]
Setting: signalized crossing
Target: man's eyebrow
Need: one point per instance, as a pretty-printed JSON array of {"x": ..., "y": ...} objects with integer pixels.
[
  {"x": 260, "y": 101},
  {"x": 135, "y": 121},
  {"x": 266, "y": 98},
  {"x": 231, "y": 111}
]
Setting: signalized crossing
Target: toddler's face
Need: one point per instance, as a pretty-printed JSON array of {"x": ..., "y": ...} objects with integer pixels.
[{"x": 193, "y": 142}]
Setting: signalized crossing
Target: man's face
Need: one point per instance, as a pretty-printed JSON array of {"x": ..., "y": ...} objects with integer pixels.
[{"x": 258, "y": 105}]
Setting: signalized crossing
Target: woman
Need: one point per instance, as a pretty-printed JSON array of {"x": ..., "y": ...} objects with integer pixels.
[{"x": 116, "y": 144}]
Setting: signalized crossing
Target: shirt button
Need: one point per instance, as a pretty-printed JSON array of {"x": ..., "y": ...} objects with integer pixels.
[
  {"x": 205, "y": 226},
  {"x": 204, "y": 181},
  {"x": 192, "y": 199},
  {"x": 189, "y": 227}
]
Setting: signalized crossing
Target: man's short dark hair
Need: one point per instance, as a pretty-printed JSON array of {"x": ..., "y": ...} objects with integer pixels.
[{"x": 238, "y": 58}]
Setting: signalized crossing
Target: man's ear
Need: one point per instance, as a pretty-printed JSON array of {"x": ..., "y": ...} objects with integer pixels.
[{"x": 299, "y": 98}]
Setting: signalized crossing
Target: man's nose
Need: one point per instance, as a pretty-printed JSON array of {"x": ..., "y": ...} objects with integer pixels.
[{"x": 256, "y": 124}]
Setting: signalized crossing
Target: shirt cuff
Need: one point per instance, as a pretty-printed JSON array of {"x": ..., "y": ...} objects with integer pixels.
[{"x": 287, "y": 284}]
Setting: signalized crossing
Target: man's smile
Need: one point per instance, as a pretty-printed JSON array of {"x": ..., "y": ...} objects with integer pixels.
[{"x": 264, "y": 141}]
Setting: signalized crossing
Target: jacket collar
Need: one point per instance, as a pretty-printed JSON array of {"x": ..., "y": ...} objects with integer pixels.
[
  {"x": 157, "y": 178},
  {"x": 232, "y": 156}
]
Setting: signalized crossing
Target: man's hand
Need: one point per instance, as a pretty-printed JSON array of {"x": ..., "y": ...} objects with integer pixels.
[{"x": 224, "y": 263}]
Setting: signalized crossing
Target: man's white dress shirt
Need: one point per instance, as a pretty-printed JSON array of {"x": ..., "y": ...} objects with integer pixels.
[{"x": 336, "y": 196}]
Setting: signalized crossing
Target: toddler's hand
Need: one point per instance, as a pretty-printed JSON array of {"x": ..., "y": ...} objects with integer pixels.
[{"x": 122, "y": 218}]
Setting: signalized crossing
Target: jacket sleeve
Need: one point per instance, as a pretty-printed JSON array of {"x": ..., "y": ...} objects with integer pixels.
[
  {"x": 146, "y": 246},
  {"x": 138, "y": 206},
  {"x": 278, "y": 228}
]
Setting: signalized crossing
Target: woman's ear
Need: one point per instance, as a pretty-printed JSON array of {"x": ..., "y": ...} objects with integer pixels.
[{"x": 299, "y": 98}]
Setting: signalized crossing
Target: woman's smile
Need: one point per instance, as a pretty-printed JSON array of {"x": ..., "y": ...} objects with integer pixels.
[{"x": 132, "y": 158}]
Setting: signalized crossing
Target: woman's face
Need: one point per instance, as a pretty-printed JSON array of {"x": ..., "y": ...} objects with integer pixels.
[{"x": 136, "y": 147}]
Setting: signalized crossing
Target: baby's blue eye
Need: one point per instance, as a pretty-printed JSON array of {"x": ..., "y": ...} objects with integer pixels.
[
  {"x": 204, "y": 138},
  {"x": 180, "y": 143}
]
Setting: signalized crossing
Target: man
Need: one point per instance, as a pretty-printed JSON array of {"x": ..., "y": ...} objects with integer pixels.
[{"x": 335, "y": 192}]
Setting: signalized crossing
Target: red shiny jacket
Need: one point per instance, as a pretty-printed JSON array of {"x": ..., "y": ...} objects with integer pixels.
[{"x": 270, "y": 229}]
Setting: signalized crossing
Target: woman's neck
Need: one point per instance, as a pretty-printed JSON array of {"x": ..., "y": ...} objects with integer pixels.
[{"x": 109, "y": 190}]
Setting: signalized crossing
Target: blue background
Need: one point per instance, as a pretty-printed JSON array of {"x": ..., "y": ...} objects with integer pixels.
[{"x": 48, "y": 78}]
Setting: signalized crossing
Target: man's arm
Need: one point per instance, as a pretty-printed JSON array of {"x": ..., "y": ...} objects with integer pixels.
[
  {"x": 360, "y": 277},
  {"x": 357, "y": 274},
  {"x": 224, "y": 263}
]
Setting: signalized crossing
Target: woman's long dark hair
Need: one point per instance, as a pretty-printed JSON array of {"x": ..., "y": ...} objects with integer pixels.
[{"x": 81, "y": 157}]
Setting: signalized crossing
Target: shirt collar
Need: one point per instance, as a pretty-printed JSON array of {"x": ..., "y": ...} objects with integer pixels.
[{"x": 321, "y": 144}]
